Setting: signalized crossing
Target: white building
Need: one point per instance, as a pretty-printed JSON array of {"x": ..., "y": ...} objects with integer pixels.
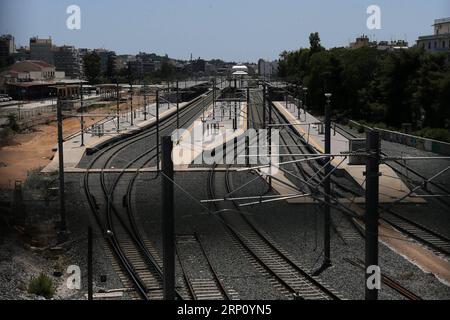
[
  {"x": 440, "y": 41},
  {"x": 267, "y": 69}
]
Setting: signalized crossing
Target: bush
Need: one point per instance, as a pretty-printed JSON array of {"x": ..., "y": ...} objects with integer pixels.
[
  {"x": 12, "y": 122},
  {"x": 6, "y": 134},
  {"x": 42, "y": 286},
  {"x": 435, "y": 134}
]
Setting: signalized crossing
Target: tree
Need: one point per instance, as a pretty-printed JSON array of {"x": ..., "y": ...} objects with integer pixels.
[
  {"x": 314, "y": 41},
  {"x": 131, "y": 73},
  {"x": 111, "y": 68},
  {"x": 377, "y": 86},
  {"x": 92, "y": 67},
  {"x": 167, "y": 70}
]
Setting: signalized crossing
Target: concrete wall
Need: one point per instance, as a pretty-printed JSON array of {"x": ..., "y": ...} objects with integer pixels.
[
  {"x": 416, "y": 142},
  {"x": 420, "y": 143}
]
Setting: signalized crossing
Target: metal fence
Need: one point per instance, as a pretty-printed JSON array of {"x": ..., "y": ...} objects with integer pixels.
[{"x": 23, "y": 114}]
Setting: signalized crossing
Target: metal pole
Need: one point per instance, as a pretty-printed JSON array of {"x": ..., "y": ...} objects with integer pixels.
[
  {"x": 247, "y": 150},
  {"x": 132, "y": 116},
  {"x": 214, "y": 99},
  {"x": 89, "y": 261},
  {"x": 372, "y": 215},
  {"x": 157, "y": 130},
  {"x": 235, "y": 116},
  {"x": 248, "y": 107},
  {"x": 168, "y": 219},
  {"x": 178, "y": 106},
  {"x": 327, "y": 186},
  {"x": 264, "y": 105},
  {"x": 82, "y": 112},
  {"x": 61, "y": 167},
  {"x": 286, "y": 96},
  {"x": 270, "y": 139},
  {"x": 145, "y": 102},
  {"x": 118, "y": 106}
]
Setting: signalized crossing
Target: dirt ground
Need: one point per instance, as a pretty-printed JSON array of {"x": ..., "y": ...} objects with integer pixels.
[{"x": 33, "y": 150}]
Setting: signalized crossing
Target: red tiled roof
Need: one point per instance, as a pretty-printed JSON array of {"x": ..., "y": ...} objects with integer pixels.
[
  {"x": 42, "y": 63},
  {"x": 29, "y": 65}
]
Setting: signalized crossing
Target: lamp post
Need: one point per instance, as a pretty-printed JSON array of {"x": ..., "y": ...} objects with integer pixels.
[
  {"x": 299, "y": 88},
  {"x": 327, "y": 182},
  {"x": 214, "y": 99},
  {"x": 305, "y": 96},
  {"x": 131, "y": 104},
  {"x": 145, "y": 101},
  {"x": 118, "y": 105},
  {"x": 178, "y": 106},
  {"x": 82, "y": 113}
]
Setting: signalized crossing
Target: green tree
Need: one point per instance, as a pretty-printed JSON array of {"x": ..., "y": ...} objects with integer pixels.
[
  {"x": 111, "y": 68},
  {"x": 92, "y": 67},
  {"x": 167, "y": 70},
  {"x": 131, "y": 73},
  {"x": 314, "y": 41}
]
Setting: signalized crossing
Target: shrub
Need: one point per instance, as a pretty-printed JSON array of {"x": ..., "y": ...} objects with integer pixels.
[
  {"x": 12, "y": 122},
  {"x": 6, "y": 135},
  {"x": 42, "y": 286},
  {"x": 435, "y": 134}
]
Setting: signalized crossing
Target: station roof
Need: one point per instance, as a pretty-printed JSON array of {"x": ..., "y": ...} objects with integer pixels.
[
  {"x": 240, "y": 67},
  {"x": 240, "y": 73}
]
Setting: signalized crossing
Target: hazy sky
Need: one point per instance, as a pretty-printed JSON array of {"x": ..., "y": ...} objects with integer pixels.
[{"x": 240, "y": 30}]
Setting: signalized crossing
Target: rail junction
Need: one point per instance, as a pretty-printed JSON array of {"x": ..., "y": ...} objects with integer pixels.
[{"x": 267, "y": 151}]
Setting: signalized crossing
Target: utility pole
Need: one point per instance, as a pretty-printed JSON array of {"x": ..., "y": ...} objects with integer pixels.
[
  {"x": 300, "y": 103},
  {"x": 82, "y": 113},
  {"x": 157, "y": 129},
  {"x": 145, "y": 102},
  {"x": 168, "y": 219},
  {"x": 305, "y": 95},
  {"x": 235, "y": 122},
  {"x": 270, "y": 139},
  {"x": 264, "y": 105},
  {"x": 372, "y": 215},
  {"x": 118, "y": 105},
  {"x": 131, "y": 93},
  {"x": 327, "y": 183},
  {"x": 286, "y": 96},
  {"x": 62, "y": 202},
  {"x": 214, "y": 99},
  {"x": 178, "y": 106},
  {"x": 89, "y": 261},
  {"x": 248, "y": 107}
]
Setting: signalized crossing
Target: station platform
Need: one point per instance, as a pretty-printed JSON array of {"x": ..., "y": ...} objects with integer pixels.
[
  {"x": 74, "y": 152},
  {"x": 391, "y": 187},
  {"x": 208, "y": 132}
]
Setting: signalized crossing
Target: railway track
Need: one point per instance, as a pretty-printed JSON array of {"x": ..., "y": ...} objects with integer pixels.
[
  {"x": 290, "y": 278},
  {"x": 437, "y": 242},
  {"x": 433, "y": 239},
  {"x": 426, "y": 236},
  {"x": 123, "y": 236},
  {"x": 406, "y": 171},
  {"x": 192, "y": 255},
  {"x": 294, "y": 280},
  {"x": 387, "y": 281}
]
